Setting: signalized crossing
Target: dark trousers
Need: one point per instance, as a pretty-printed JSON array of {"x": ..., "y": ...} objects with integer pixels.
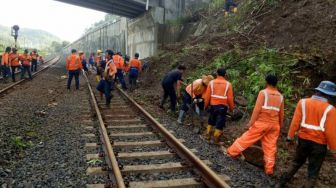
[
  {"x": 5, "y": 72},
  {"x": 217, "y": 116},
  {"x": 13, "y": 72},
  {"x": 187, "y": 101},
  {"x": 34, "y": 66},
  {"x": 24, "y": 70},
  {"x": 120, "y": 76},
  {"x": 306, "y": 149},
  {"x": 169, "y": 91},
  {"x": 133, "y": 82},
  {"x": 228, "y": 4},
  {"x": 73, "y": 73},
  {"x": 108, "y": 86}
]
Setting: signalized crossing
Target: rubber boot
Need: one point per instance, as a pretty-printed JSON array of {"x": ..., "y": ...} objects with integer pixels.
[
  {"x": 235, "y": 10},
  {"x": 180, "y": 117},
  {"x": 217, "y": 134},
  {"x": 286, "y": 177},
  {"x": 207, "y": 135},
  {"x": 226, "y": 14}
]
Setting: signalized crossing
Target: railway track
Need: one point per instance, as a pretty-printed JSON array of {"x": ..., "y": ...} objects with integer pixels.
[
  {"x": 139, "y": 151},
  {"x": 6, "y": 87}
]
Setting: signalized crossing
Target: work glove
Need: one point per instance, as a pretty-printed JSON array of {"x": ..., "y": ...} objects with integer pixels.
[{"x": 197, "y": 101}]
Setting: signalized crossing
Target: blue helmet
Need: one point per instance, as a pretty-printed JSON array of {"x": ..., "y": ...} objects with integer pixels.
[{"x": 327, "y": 87}]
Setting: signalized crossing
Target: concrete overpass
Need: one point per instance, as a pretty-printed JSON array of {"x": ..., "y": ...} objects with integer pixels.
[{"x": 125, "y": 8}]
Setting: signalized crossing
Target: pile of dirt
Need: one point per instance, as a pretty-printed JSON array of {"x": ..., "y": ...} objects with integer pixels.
[{"x": 305, "y": 29}]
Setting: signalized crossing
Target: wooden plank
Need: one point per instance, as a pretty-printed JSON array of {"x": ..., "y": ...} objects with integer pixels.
[
  {"x": 91, "y": 171},
  {"x": 152, "y": 168},
  {"x": 148, "y": 155},
  {"x": 127, "y": 126},
  {"x": 145, "y": 155},
  {"x": 124, "y": 121},
  {"x": 91, "y": 145},
  {"x": 88, "y": 128},
  {"x": 95, "y": 186},
  {"x": 173, "y": 183},
  {"x": 88, "y": 135},
  {"x": 131, "y": 134},
  {"x": 141, "y": 144},
  {"x": 137, "y": 144},
  {"x": 92, "y": 156},
  {"x": 119, "y": 115}
]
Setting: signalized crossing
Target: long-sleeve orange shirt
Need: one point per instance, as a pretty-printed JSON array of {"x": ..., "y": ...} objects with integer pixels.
[
  {"x": 25, "y": 59},
  {"x": 270, "y": 110},
  {"x": 5, "y": 59},
  {"x": 219, "y": 92},
  {"x": 197, "y": 88},
  {"x": 315, "y": 107}
]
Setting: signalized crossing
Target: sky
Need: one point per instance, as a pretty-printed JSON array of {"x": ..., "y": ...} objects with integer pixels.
[{"x": 66, "y": 21}]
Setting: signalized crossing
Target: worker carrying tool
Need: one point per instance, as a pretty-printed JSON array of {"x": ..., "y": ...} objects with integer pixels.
[
  {"x": 74, "y": 66},
  {"x": 5, "y": 64},
  {"x": 194, "y": 93},
  {"x": 34, "y": 56},
  {"x": 314, "y": 123},
  {"x": 25, "y": 59},
  {"x": 134, "y": 71},
  {"x": 265, "y": 124},
  {"x": 119, "y": 63},
  {"x": 219, "y": 95},
  {"x": 228, "y": 4},
  {"x": 109, "y": 76},
  {"x": 168, "y": 83},
  {"x": 14, "y": 62},
  {"x": 97, "y": 62}
]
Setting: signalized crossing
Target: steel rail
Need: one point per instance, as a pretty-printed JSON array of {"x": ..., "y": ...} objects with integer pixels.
[
  {"x": 209, "y": 177},
  {"x": 112, "y": 162},
  {"x": 54, "y": 60}
]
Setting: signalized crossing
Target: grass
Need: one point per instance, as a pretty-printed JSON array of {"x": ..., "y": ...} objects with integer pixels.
[
  {"x": 19, "y": 143},
  {"x": 247, "y": 71}
]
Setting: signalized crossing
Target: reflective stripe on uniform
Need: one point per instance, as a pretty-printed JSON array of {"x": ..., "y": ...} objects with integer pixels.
[
  {"x": 219, "y": 96},
  {"x": 266, "y": 107},
  {"x": 322, "y": 121}
]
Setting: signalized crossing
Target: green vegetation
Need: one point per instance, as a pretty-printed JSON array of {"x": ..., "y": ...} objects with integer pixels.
[
  {"x": 19, "y": 143},
  {"x": 95, "y": 161},
  {"x": 247, "y": 72},
  {"x": 28, "y": 38}
]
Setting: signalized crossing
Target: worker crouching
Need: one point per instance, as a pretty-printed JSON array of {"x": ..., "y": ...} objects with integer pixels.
[
  {"x": 219, "y": 95},
  {"x": 194, "y": 94},
  {"x": 265, "y": 123},
  {"x": 314, "y": 123}
]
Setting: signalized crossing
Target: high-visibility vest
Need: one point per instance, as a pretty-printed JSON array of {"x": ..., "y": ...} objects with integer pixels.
[
  {"x": 214, "y": 93},
  {"x": 266, "y": 105},
  {"x": 322, "y": 121},
  {"x": 117, "y": 61},
  {"x": 73, "y": 62},
  {"x": 5, "y": 58}
]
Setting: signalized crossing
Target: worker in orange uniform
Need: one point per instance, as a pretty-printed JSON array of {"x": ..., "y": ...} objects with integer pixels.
[
  {"x": 219, "y": 95},
  {"x": 119, "y": 63},
  {"x": 97, "y": 61},
  {"x": 82, "y": 59},
  {"x": 134, "y": 71},
  {"x": 314, "y": 123},
  {"x": 34, "y": 57},
  {"x": 26, "y": 59},
  {"x": 265, "y": 124},
  {"x": 74, "y": 66},
  {"x": 5, "y": 64},
  {"x": 109, "y": 76},
  {"x": 194, "y": 93},
  {"x": 14, "y": 62}
]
